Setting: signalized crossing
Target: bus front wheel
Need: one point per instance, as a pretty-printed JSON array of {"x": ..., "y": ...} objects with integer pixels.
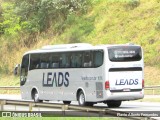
[
  {"x": 35, "y": 96},
  {"x": 113, "y": 104}
]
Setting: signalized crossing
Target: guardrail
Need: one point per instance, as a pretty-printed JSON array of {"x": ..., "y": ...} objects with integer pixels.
[
  {"x": 151, "y": 88},
  {"x": 64, "y": 108},
  {"x": 9, "y": 87}
]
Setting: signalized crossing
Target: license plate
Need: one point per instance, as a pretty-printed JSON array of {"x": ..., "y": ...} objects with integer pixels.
[{"x": 126, "y": 89}]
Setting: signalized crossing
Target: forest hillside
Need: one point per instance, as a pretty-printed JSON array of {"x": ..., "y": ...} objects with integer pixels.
[{"x": 31, "y": 24}]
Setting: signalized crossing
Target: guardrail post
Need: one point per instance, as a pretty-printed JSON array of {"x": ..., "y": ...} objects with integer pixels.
[
  {"x": 15, "y": 108},
  {"x": 7, "y": 91},
  {"x": 64, "y": 107},
  {"x": 3, "y": 102},
  {"x": 31, "y": 105},
  {"x": 101, "y": 113},
  {"x": 153, "y": 91}
]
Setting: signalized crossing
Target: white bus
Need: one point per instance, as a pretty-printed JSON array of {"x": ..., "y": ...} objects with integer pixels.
[{"x": 84, "y": 73}]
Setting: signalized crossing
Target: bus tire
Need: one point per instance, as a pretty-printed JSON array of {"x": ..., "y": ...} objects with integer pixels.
[
  {"x": 35, "y": 96},
  {"x": 67, "y": 102},
  {"x": 81, "y": 99},
  {"x": 113, "y": 104}
]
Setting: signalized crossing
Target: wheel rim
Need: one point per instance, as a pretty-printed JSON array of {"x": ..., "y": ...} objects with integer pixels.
[
  {"x": 36, "y": 97},
  {"x": 81, "y": 99}
]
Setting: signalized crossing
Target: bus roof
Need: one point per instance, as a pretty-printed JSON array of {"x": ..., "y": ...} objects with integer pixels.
[{"x": 74, "y": 46}]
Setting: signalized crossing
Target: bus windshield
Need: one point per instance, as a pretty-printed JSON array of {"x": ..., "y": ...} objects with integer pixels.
[{"x": 124, "y": 53}]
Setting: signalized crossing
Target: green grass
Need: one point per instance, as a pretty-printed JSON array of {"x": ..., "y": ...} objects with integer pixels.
[
  {"x": 152, "y": 92},
  {"x": 149, "y": 100},
  {"x": 151, "y": 76},
  {"x": 67, "y": 118},
  {"x": 9, "y": 80}
]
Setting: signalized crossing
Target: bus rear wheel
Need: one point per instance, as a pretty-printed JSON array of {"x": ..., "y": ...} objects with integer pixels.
[
  {"x": 113, "y": 104},
  {"x": 81, "y": 99},
  {"x": 67, "y": 102}
]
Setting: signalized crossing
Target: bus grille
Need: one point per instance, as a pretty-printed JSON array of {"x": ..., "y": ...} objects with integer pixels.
[{"x": 99, "y": 90}]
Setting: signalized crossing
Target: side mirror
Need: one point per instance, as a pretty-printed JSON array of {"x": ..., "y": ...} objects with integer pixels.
[{"x": 16, "y": 69}]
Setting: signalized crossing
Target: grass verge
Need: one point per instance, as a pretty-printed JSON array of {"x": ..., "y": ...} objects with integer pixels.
[{"x": 149, "y": 100}]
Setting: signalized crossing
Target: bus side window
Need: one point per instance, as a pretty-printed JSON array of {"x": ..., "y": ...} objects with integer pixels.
[
  {"x": 73, "y": 63},
  {"x": 65, "y": 61},
  {"x": 55, "y": 63},
  {"x": 34, "y": 61},
  {"x": 76, "y": 60},
  {"x": 44, "y": 65},
  {"x": 98, "y": 58},
  {"x": 79, "y": 60},
  {"x": 87, "y": 61},
  {"x": 68, "y": 61},
  {"x": 44, "y": 58}
]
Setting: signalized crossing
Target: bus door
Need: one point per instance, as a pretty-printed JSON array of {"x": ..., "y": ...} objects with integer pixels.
[{"x": 24, "y": 70}]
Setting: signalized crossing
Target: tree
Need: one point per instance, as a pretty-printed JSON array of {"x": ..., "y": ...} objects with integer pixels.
[{"x": 10, "y": 22}]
